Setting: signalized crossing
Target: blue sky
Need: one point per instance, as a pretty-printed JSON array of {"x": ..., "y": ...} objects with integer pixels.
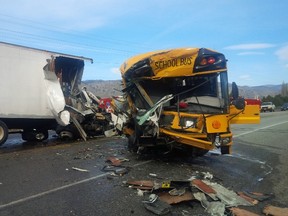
[{"x": 253, "y": 34}]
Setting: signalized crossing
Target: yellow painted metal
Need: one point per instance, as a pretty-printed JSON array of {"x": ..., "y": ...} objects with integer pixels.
[
  {"x": 222, "y": 119},
  {"x": 250, "y": 115},
  {"x": 168, "y": 63}
]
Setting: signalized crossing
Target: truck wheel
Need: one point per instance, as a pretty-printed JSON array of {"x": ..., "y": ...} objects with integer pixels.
[
  {"x": 66, "y": 134},
  {"x": 3, "y": 133},
  {"x": 35, "y": 135}
]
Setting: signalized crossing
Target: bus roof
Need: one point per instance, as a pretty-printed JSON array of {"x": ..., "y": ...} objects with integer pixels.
[{"x": 170, "y": 63}]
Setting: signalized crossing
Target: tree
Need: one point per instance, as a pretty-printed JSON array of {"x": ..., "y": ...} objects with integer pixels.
[{"x": 284, "y": 90}]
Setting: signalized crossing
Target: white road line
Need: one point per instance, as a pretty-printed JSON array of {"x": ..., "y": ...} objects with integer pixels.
[
  {"x": 61, "y": 188},
  {"x": 238, "y": 135}
]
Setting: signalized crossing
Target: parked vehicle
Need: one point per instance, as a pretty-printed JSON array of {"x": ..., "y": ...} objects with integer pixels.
[
  {"x": 267, "y": 106},
  {"x": 284, "y": 107},
  {"x": 40, "y": 92},
  {"x": 179, "y": 98}
]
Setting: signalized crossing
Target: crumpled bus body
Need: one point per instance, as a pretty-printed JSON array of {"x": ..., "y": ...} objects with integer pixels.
[{"x": 180, "y": 98}]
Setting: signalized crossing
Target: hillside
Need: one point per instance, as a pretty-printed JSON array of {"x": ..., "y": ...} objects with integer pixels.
[{"x": 113, "y": 88}]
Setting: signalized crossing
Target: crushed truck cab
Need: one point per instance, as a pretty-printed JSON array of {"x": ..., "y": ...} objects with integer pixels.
[
  {"x": 180, "y": 98},
  {"x": 40, "y": 91}
]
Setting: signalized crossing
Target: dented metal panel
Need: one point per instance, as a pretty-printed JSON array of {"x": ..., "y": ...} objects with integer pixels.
[
  {"x": 45, "y": 86},
  {"x": 179, "y": 98}
]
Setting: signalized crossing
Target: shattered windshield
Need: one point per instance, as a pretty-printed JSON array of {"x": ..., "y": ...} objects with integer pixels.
[{"x": 201, "y": 94}]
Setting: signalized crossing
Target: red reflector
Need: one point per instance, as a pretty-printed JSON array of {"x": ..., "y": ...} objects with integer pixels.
[
  {"x": 211, "y": 60},
  {"x": 216, "y": 124},
  {"x": 203, "y": 61}
]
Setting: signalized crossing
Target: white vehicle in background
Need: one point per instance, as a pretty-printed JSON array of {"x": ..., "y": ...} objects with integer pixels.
[
  {"x": 40, "y": 92},
  {"x": 267, "y": 106}
]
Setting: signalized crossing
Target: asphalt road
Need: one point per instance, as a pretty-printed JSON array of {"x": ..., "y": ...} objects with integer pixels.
[{"x": 43, "y": 179}]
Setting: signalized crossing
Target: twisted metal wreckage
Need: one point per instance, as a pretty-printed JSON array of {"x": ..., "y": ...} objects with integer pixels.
[
  {"x": 180, "y": 98},
  {"x": 175, "y": 98},
  {"x": 48, "y": 96}
]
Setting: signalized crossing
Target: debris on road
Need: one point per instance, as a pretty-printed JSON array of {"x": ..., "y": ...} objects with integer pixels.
[
  {"x": 213, "y": 197},
  {"x": 199, "y": 184},
  {"x": 249, "y": 199},
  {"x": 258, "y": 196},
  {"x": 172, "y": 199},
  {"x": 116, "y": 161},
  {"x": 143, "y": 185},
  {"x": 79, "y": 169},
  {"x": 115, "y": 166},
  {"x": 156, "y": 206},
  {"x": 242, "y": 212},
  {"x": 275, "y": 211}
]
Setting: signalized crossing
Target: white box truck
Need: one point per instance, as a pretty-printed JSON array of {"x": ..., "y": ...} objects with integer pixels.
[{"x": 37, "y": 88}]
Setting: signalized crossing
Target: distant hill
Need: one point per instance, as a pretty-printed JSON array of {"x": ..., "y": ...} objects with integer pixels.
[
  {"x": 113, "y": 88},
  {"x": 259, "y": 91},
  {"x": 103, "y": 88}
]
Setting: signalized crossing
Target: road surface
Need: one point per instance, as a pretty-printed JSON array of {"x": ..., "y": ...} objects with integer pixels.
[{"x": 67, "y": 178}]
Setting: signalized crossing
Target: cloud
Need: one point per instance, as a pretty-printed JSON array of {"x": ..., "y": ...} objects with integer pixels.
[
  {"x": 282, "y": 53},
  {"x": 245, "y": 77},
  {"x": 115, "y": 70},
  {"x": 251, "y": 46},
  {"x": 65, "y": 14}
]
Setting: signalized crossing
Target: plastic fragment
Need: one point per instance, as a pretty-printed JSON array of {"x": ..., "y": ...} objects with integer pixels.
[{"x": 79, "y": 169}]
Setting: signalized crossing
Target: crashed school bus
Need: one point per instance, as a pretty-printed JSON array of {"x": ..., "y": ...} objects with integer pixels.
[
  {"x": 179, "y": 98},
  {"x": 40, "y": 91}
]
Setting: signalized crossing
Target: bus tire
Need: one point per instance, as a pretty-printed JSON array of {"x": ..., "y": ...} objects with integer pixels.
[{"x": 3, "y": 132}]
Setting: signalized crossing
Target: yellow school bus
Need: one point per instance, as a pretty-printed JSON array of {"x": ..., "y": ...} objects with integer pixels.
[{"x": 180, "y": 98}]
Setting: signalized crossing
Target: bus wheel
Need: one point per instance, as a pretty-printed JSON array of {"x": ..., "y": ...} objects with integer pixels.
[{"x": 3, "y": 132}]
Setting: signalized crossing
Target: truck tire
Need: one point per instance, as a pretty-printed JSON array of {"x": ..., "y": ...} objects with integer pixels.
[
  {"x": 35, "y": 135},
  {"x": 3, "y": 133}
]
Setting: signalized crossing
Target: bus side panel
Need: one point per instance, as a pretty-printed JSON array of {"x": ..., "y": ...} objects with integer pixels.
[{"x": 250, "y": 115}]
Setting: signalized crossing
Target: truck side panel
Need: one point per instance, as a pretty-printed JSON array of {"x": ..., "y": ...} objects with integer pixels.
[{"x": 23, "y": 87}]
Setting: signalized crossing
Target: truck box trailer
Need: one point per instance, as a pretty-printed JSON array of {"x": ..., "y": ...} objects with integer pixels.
[{"x": 37, "y": 89}]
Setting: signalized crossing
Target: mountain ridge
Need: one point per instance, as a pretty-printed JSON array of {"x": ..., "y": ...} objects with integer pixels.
[{"x": 108, "y": 88}]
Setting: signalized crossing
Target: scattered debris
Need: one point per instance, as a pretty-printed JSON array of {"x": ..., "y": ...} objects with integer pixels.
[
  {"x": 207, "y": 175},
  {"x": 121, "y": 171},
  {"x": 230, "y": 198},
  {"x": 177, "y": 192},
  {"x": 216, "y": 208},
  {"x": 248, "y": 198},
  {"x": 140, "y": 192},
  {"x": 79, "y": 169},
  {"x": 143, "y": 185},
  {"x": 170, "y": 199},
  {"x": 214, "y": 198},
  {"x": 116, "y": 167},
  {"x": 204, "y": 188},
  {"x": 275, "y": 211},
  {"x": 258, "y": 196},
  {"x": 242, "y": 212},
  {"x": 153, "y": 174},
  {"x": 156, "y": 206},
  {"x": 114, "y": 161}
]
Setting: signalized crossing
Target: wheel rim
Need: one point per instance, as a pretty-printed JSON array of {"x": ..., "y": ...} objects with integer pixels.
[{"x": 1, "y": 133}]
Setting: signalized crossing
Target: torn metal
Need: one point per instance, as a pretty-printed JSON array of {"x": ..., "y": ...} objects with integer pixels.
[
  {"x": 50, "y": 96},
  {"x": 213, "y": 197},
  {"x": 179, "y": 98}
]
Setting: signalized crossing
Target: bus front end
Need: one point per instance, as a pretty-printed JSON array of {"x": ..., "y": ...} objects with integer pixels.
[{"x": 180, "y": 99}]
